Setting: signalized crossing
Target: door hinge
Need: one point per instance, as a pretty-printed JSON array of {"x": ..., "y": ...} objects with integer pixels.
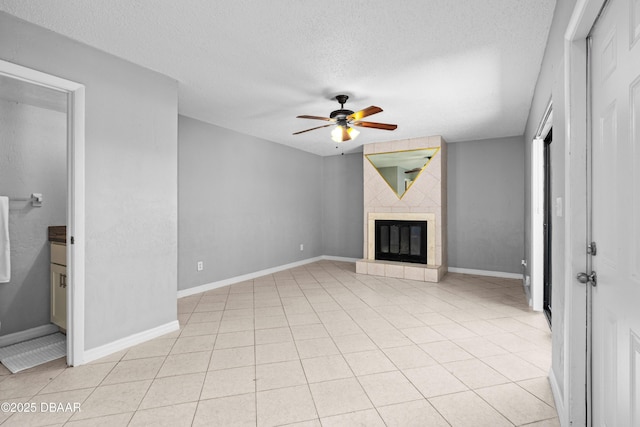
[
  {"x": 592, "y": 249},
  {"x": 588, "y": 278},
  {"x": 73, "y": 241}
]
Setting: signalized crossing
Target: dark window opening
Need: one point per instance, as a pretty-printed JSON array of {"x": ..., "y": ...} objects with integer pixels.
[{"x": 547, "y": 227}]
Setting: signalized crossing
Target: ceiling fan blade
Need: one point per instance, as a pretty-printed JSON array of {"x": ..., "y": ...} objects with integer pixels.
[
  {"x": 316, "y": 118},
  {"x": 364, "y": 113},
  {"x": 303, "y": 131},
  {"x": 384, "y": 126}
]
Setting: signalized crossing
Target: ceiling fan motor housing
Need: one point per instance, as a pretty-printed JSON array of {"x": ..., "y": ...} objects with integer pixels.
[{"x": 341, "y": 114}]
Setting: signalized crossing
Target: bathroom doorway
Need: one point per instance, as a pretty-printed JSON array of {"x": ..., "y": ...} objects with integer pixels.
[
  {"x": 45, "y": 150},
  {"x": 33, "y": 184}
]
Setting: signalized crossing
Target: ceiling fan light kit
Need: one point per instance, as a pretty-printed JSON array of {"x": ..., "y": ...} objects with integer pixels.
[
  {"x": 344, "y": 133},
  {"x": 343, "y": 118}
]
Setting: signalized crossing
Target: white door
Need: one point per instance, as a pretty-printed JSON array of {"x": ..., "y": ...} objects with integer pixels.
[{"x": 615, "y": 132}]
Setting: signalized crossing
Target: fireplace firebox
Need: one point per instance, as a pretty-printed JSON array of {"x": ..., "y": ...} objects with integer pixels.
[{"x": 403, "y": 241}]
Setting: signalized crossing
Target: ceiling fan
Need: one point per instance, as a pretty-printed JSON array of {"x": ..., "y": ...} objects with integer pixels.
[{"x": 344, "y": 119}]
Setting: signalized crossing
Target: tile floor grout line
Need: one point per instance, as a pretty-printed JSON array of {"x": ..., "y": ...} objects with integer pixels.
[
  {"x": 351, "y": 369},
  {"x": 206, "y": 372},
  {"x": 440, "y": 364},
  {"x": 159, "y": 369},
  {"x": 407, "y": 378},
  {"x": 313, "y": 400},
  {"x": 255, "y": 355},
  {"x": 496, "y": 409}
]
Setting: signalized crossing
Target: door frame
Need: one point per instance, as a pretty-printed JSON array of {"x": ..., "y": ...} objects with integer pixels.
[
  {"x": 537, "y": 210},
  {"x": 575, "y": 402},
  {"x": 75, "y": 198}
]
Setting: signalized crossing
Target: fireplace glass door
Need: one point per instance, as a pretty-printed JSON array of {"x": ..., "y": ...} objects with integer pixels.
[{"x": 404, "y": 241}]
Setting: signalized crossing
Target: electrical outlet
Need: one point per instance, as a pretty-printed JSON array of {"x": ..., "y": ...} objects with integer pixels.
[
  {"x": 301, "y": 247},
  {"x": 200, "y": 265}
]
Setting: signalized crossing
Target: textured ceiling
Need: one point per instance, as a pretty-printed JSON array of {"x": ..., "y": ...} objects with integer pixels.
[{"x": 463, "y": 69}]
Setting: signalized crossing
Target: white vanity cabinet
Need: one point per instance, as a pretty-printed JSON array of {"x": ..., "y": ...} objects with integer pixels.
[{"x": 59, "y": 284}]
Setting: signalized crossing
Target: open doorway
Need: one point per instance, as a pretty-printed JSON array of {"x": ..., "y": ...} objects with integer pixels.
[
  {"x": 541, "y": 206},
  {"x": 45, "y": 92},
  {"x": 33, "y": 187}
]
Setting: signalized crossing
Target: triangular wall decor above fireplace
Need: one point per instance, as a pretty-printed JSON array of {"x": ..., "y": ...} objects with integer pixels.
[{"x": 400, "y": 169}]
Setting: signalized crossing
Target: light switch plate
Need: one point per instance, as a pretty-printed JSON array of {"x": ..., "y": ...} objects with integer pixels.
[{"x": 559, "y": 206}]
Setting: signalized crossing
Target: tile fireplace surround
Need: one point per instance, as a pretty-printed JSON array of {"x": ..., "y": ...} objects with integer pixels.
[{"x": 426, "y": 200}]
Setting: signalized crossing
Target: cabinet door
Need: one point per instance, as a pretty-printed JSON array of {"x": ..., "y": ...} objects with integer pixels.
[
  {"x": 58, "y": 253},
  {"x": 59, "y": 295}
]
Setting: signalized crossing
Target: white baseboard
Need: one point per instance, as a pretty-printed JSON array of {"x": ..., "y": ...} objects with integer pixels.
[
  {"x": 557, "y": 398},
  {"x": 237, "y": 279},
  {"x": 130, "y": 341},
  {"x": 526, "y": 285},
  {"x": 250, "y": 276},
  {"x": 485, "y": 273},
  {"x": 29, "y": 334}
]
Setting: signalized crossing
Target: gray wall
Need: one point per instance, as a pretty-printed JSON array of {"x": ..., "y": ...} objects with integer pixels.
[
  {"x": 245, "y": 204},
  {"x": 342, "y": 206},
  {"x": 486, "y": 204},
  {"x": 33, "y": 156},
  {"x": 550, "y": 86},
  {"x": 131, "y": 180}
]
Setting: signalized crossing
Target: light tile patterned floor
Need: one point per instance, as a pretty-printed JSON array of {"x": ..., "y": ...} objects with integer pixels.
[{"x": 318, "y": 345}]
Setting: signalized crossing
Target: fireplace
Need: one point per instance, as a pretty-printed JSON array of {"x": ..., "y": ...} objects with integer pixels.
[
  {"x": 401, "y": 252},
  {"x": 403, "y": 241},
  {"x": 430, "y": 271},
  {"x": 429, "y": 238}
]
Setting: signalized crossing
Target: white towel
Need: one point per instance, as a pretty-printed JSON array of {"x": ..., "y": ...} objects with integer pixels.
[{"x": 5, "y": 259}]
